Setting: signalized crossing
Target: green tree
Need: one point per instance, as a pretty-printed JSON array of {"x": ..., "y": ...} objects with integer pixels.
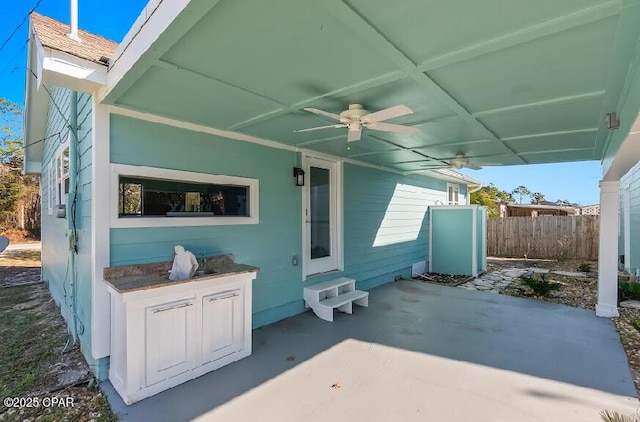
[
  {"x": 489, "y": 196},
  {"x": 537, "y": 197},
  {"x": 521, "y": 191},
  {"x": 15, "y": 189}
]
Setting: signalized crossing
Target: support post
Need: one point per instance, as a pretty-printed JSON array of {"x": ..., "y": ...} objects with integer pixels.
[{"x": 608, "y": 250}]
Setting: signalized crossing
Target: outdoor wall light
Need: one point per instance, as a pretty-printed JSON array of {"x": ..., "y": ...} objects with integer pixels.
[{"x": 298, "y": 173}]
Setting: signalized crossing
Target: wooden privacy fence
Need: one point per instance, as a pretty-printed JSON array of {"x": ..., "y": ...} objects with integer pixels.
[{"x": 560, "y": 237}]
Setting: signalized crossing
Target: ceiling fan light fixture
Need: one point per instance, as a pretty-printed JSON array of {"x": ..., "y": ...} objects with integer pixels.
[{"x": 356, "y": 118}]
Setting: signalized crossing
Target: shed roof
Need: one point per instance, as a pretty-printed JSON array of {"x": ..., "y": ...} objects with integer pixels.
[{"x": 53, "y": 34}]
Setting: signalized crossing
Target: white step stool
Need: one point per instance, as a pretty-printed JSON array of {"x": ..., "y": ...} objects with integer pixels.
[{"x": 340, "y": 293}]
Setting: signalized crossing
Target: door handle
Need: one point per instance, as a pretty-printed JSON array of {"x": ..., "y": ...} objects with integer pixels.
[
  {"x": 211, "y": 299},
  {"x": 184, "y": 305}
]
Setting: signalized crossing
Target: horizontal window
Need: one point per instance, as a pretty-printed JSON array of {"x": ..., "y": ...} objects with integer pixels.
[
  {"x": 171, "y": 198},
  {"x": 150, "y": 197}
]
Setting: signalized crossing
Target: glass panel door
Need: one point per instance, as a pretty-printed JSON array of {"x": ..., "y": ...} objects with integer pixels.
[{"x": 321, "y": 216}]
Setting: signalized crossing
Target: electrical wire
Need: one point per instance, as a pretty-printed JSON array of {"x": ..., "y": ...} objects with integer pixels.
[
  {"x": 13, "y": 59},
  {"x": 20, "y": 25},
  {"x": 78, "y": 326}
]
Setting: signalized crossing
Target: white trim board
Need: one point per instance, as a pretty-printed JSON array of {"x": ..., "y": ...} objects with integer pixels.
[
  {"x": 100, "y": 233},
  {"x": 338, "y": 214},
  {"x": 626, "y": 226},
  {"x": 161, "y": 173}
]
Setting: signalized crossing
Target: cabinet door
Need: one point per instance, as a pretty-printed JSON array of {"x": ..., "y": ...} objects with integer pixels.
[
  {"x": 222, "y": 324},
  {"x": 170, "y": 339}
]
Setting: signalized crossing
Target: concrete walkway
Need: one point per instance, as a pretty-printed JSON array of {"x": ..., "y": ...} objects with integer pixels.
[
  {"x": 35, "y": 246},
  {"x": 420, "y": 352}
]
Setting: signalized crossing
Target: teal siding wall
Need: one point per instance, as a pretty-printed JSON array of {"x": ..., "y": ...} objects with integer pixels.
[
  {"x": 369, "y": 196},
  {"x": 452, "y": 240},
  {"x": 270, "y": 245},
  {"x": 56, "y": 263},
  {"x": 631, "y": 181}
]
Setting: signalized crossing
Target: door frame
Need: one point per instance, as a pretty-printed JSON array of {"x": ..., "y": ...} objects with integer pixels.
[{"x": 337, "y": 213}]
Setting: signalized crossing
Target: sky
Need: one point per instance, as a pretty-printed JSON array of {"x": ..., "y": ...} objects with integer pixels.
[
  {"x": 575, "y": 182},
  {"x": 112, "y": 24}
]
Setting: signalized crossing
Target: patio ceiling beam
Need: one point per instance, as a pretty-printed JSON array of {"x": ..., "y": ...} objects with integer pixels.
[
  {"x": 546, "y": 134},
  {"x": 206, "y": 79},
  {"x": 355, "y": 88},
  {"x": 553, "y": 26},
  {"x": 157, "y": 31},
  {"x": 539, "y": 104},
  {"x": 356, "y": 23},
  {"x": 553, "y": 151}
]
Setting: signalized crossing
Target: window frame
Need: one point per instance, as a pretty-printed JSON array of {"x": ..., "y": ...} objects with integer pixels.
[
  {"x": 51, "y": 190},
  {"x": 456, "y": 190},
  {"x": 59, "y": 175},
  {"x": 118, "y": 170}
]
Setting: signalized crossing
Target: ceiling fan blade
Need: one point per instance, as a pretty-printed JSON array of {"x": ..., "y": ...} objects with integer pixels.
[
  {"x": 388, "y": 113},
  {"x": 323, "y": 113},
  {"x": 473, "y": 166},
  {"x": 320, "y": 128},
  {"x": 354, "y": 135},
  {"x": 390, "y": 127}
]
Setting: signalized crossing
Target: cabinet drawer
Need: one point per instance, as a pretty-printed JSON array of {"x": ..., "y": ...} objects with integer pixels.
[
  {"x": 170, "y": 338},
  {"x": 222, "y": 324}
]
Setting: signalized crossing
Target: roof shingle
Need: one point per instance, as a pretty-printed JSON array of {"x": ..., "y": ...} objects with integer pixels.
[{"x": 53, "y": 34}]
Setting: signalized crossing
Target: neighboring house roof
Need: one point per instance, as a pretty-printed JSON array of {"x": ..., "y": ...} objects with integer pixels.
[
  {"x": 542, "y": 207},
  {"x": 53, "y": 34}
]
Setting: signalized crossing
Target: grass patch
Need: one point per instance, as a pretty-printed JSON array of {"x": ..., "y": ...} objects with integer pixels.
[
  {"x": 26, "y": 344},
  {"x": 33, "y": 335}
]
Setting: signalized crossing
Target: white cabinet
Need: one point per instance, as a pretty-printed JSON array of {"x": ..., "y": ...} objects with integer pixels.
[
  {"x": 170, "y": 340},
  {"x": 222, "y": 324},
  {"x": 164, "y": 336}
]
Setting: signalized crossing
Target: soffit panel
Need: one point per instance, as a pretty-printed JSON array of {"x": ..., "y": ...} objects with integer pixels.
[
  {"x": 341, "y": 148},
  {"x": 392, "y": 157},
  {"x": 423, "y": 29},
  {"x": 286, "y": 50},
  {"x": 211, "y": 103},
  {"x": 438, "y": 132},
  {"x": 569, "y": 63},
  {"x": 578, "y": 140},
  {"x": 557, "y": 157},
  {"x": 469, "y": 150},
  {"x": 553, "y": 118}
]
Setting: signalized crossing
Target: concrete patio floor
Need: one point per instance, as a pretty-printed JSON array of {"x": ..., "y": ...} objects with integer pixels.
[{"x": 419, "y": 352}]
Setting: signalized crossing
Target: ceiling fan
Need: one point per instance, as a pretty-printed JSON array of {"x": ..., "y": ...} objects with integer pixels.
[
  {"x": 356, "y": 118},
  {"x": 460, "y": 161}
]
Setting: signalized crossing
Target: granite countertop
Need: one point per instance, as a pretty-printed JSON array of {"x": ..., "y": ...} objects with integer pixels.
[{"x": 130, "y": 278}]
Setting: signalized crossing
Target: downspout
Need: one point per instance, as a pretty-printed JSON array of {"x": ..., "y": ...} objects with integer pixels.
[{"x": 72, "y": 201}]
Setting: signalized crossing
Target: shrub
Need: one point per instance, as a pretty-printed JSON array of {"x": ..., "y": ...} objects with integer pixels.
[
  {"x": 584, "y": 267},
  {"x": 628, "y": 291},
  {"x": 540, "y": 285}
]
